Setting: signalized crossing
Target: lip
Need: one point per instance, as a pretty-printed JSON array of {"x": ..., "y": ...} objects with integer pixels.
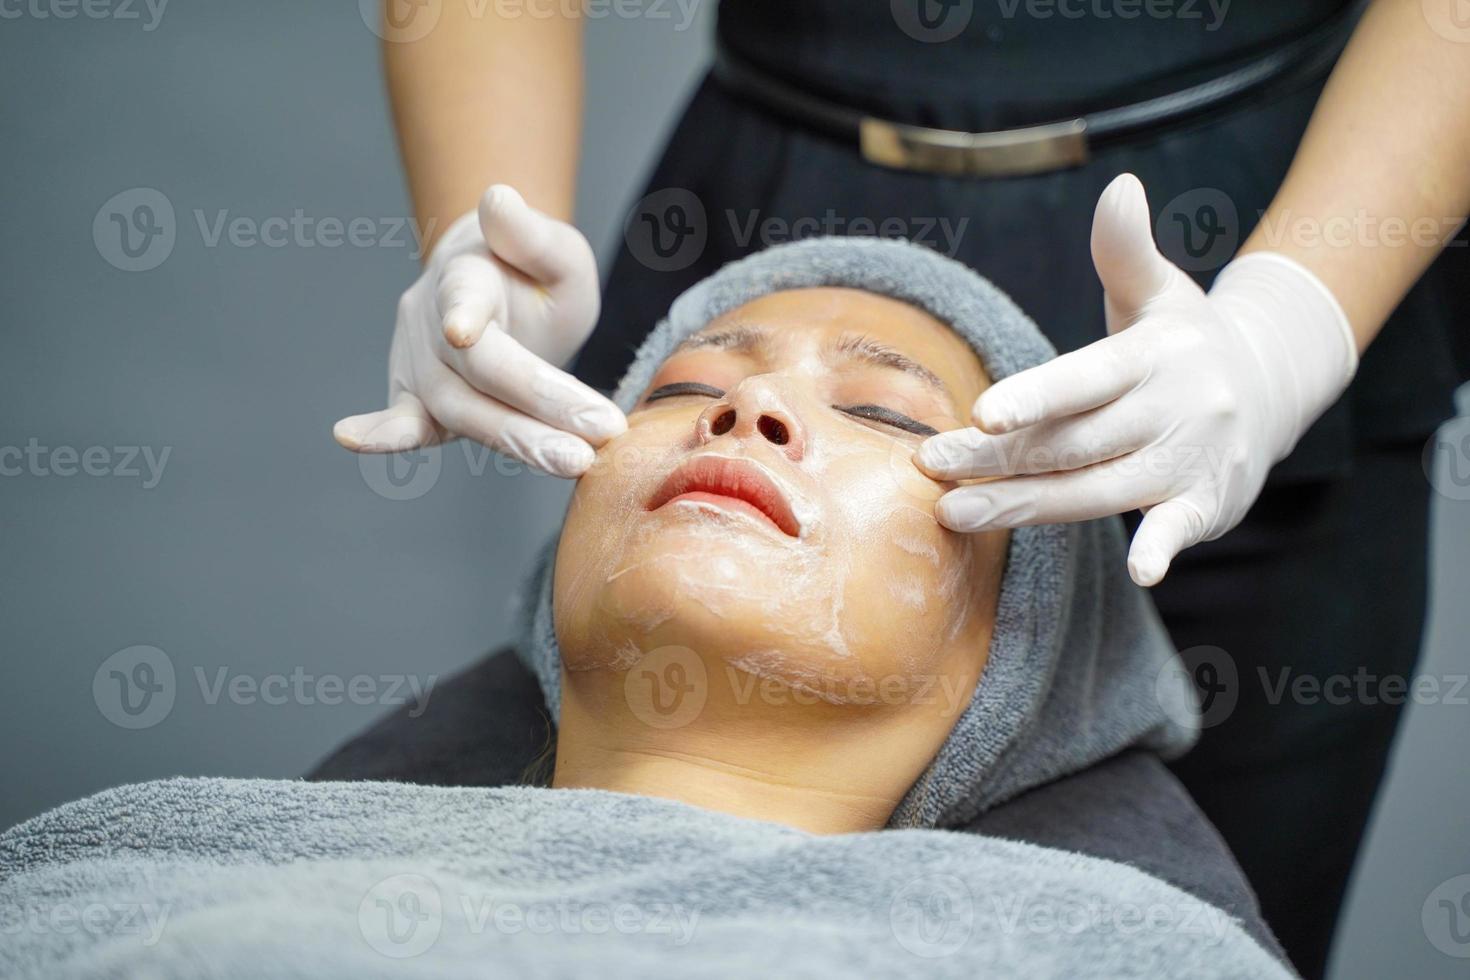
[{"x": 734, "y": 484}]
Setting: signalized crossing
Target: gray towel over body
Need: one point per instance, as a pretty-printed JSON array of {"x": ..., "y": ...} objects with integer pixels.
[{"x": 199, "y": 878}]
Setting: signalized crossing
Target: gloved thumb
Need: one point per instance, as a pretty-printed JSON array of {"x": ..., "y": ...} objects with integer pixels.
[
  {"x": 556, "y": 257},
  {"x": 1166, "y": 529},
  {"x": 537, "y": 244},
  {"x": 404, "y": 425},
  {"x": 1128, "y": 263}
]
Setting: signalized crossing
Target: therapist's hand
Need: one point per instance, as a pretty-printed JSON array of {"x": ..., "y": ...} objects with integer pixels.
[
  {"x": 507, "y": 296},
  {"x": 1179, "y": 412}
]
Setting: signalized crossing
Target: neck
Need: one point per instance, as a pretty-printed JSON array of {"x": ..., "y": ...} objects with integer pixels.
[
  {"x": 811, "y": 764},
  {"x": 724, "y": 786}
]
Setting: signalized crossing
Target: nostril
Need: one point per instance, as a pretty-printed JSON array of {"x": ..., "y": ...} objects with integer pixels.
[
  {"x": 723, "y": 422},
  {"x": 773, "y": 429}
]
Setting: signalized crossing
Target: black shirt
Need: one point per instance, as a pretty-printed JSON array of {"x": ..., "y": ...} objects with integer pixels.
[{"x": 974, "y": 64}]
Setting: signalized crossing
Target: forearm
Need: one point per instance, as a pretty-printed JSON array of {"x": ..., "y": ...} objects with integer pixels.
[
  {"x": 486, "y": 99},
  {"x": 1382, "y": 177}
]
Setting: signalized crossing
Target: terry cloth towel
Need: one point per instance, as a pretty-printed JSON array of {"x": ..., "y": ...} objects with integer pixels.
[
  {"x": 1080, "y": 666},
  {"x": 217, "y": 878}
]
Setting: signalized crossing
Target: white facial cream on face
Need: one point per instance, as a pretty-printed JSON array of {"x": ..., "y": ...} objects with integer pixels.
[{"x": 857, "y": 527}]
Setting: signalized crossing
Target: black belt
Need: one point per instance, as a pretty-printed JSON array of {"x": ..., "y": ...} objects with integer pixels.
[{"x": 1046, "y": 146}]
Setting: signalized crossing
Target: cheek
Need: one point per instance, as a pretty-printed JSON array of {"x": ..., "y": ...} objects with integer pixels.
[
  {"x": 601, "y": 520},
  {"x": 871, "y": 482},
  {"x": 909, "y": 588}
]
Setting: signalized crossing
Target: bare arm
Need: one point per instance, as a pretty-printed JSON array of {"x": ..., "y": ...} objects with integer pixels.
[
  {"x": 1382, "y": 177},
  {"x": 486, "y": 98}
]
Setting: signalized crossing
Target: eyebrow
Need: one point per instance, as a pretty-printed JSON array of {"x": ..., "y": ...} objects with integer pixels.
[
  {"x": 869, "y": 350},
  {"x": 742, "y": 338}
]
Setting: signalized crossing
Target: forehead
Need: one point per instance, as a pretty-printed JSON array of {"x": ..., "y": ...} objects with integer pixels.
[{"x": 799, "y": 322}]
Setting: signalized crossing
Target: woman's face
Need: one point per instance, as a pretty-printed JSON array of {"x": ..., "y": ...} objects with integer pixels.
[{"x": 763, "y": 511}]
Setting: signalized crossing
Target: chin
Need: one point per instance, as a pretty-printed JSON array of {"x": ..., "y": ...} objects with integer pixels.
[
  {"x": 828, "y": 614},
  {"x": 751, "y": 611},
  {"x": 689, "y": 584}
]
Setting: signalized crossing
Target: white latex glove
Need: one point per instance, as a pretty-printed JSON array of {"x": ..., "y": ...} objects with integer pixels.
[
  {"x": 1179, "y": 412},
  {"x": 507, "y": 296}
]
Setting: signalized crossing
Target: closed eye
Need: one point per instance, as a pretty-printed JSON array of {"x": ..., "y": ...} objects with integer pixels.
[
  {"x": 872, "y": 413},
  {"x": 683, "y": 388},
  {"x": 887, "y": 416}
]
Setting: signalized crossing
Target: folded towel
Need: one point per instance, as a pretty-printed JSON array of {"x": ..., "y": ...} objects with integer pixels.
[
  {"x": 1080, "y": 666},
  {"x": 195, "y": 878}
]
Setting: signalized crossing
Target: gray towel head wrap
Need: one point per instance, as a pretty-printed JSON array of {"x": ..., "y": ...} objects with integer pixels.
[{"x": 1080, "y": 667}]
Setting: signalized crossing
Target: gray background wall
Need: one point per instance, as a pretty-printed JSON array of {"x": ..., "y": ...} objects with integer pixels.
[{"x": 264, "y": 550}]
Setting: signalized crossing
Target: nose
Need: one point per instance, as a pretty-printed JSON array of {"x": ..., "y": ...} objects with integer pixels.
[{"x": 754, "y": 410}]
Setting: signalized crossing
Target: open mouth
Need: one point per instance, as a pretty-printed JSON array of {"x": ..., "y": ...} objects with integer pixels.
[{"x": 732, "y": 484}]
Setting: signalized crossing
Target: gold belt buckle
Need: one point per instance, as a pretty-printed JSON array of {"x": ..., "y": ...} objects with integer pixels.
[{"x": 1006, "y": 153}]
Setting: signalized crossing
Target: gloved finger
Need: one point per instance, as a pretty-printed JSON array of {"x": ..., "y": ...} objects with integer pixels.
[
  {"x": 1102, "y": 490},
  {"x": 471, "y": 294},
  {"x": 406, "y": 424},
  {"x": 1128, "y": 263},
  {"x": 543, "y": 248},
  {"x": 1063, "y": 444},
  {"x": 469, "y": 413},
  {"x": 551, "y": 253},
  {"x": 501, "y": 367},
  {"x": 1075, "y": 382},
  {"x": 1166, "y": 529}
]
